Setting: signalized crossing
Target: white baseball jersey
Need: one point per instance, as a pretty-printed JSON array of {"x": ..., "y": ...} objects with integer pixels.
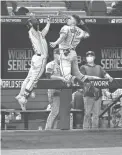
[
  {"x": 38, "y": 41},
  {"x": 73, "y": 36},
  {"x": 54, "y": 69}
]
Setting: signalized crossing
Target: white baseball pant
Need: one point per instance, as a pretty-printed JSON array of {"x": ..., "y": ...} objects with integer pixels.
[
  {"x": 69, "y": 66},
  {"x": 38, "y": 64}
]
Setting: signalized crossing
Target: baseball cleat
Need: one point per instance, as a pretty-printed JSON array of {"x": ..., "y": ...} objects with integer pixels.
[{"x": 18, "y": 97}]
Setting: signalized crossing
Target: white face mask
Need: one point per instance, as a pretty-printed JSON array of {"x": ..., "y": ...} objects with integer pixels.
[{"x": 90, "y": 59}]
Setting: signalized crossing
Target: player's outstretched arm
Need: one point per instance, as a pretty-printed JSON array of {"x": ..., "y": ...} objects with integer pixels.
[
  {"x": 58, "y": 41},
  {"x": 85, "y": 29},
  {"x": 47, "y": 27}
]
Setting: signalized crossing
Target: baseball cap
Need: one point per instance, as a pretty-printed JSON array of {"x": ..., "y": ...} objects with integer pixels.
[{"x": 90, "y": 53}]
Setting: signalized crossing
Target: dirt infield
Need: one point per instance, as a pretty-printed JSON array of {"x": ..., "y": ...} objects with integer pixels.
[{"x": 61, "y": 139}]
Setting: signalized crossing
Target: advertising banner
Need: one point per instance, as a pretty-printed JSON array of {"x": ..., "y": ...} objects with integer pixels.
[
  {"x": 111, "y": 58},
  {"x": 57, "y": 84},
  {"x": 63, "y": 19},
  {"x": 19, "y": 60}
]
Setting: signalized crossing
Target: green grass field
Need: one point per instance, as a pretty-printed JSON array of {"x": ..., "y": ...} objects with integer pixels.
[
  {"x": 61, "y": 139},
  {"x": 73, "y": 142}
]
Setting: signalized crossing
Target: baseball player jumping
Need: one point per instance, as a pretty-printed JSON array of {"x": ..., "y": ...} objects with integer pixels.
[
  {"x": 70, "y": 37},
  {"x": 38, "y": 61}
]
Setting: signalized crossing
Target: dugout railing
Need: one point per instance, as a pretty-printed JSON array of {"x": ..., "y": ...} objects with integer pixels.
[
  {"x": 66, "y": 95},
  {"x": 108, "y": 110}
]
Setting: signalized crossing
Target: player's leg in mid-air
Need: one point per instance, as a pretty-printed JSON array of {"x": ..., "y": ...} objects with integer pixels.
[
  {"x": 39, "y": 59},
  {"x": 37, "y": 69},
  {"x": 69, "y": 67},
  {"x": 22, "y": 90},
  {"x": 70, "y": 37},
  {"x": 21, "y": 93}
]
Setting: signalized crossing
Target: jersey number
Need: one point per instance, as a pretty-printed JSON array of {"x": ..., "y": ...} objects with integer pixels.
[{"x": 75, "y": 34}]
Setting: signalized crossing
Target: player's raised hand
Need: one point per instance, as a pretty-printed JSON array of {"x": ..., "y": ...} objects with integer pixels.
[{"x": 53, "y": 44}]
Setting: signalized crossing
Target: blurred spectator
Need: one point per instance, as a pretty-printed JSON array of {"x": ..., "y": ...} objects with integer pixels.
[
  {"x": 14, "y": 7},
  {"x": 21, "y": 11},
  {"x": 117, "y": 108},
  {"x": 116, "y": 9},
  {"x": 92, "y": 104},
  {"x": 78, "y": 103},
  {"x": 95, "y": 8},
  {"x": 4, "y": 10},
  {"x": 75, "y": 5},
  {"x": 116, "y": 111},
  {"x": 15, "y": 10},
  {"x": 113, "y": 95},
  {"x": 117, "y": 115}
]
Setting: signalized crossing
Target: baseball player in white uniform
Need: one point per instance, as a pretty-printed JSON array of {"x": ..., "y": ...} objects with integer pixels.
[
  {"x": 70, "y": 37},
  {"x": 38, "y": 61},
  {"x": 113, "y": 95},
  {"x": 53, "y": 72}
]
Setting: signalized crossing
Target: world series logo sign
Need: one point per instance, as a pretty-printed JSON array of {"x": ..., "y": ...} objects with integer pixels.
[
  {"x": 19, "y": 60},
  {"x": 116, "y": 21},
  {"x": 12, "y": 83},
  {"x": 111, "y": 58}
]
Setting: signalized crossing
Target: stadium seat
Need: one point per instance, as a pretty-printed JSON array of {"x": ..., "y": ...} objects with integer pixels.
[
  {"x": 55, "y": 4},
  {"x": 76, "y": 5},
  {"x": 39, "y": 9},
  {"x": 97, "y": 8},
  {"x": 80, "y": 13}
]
